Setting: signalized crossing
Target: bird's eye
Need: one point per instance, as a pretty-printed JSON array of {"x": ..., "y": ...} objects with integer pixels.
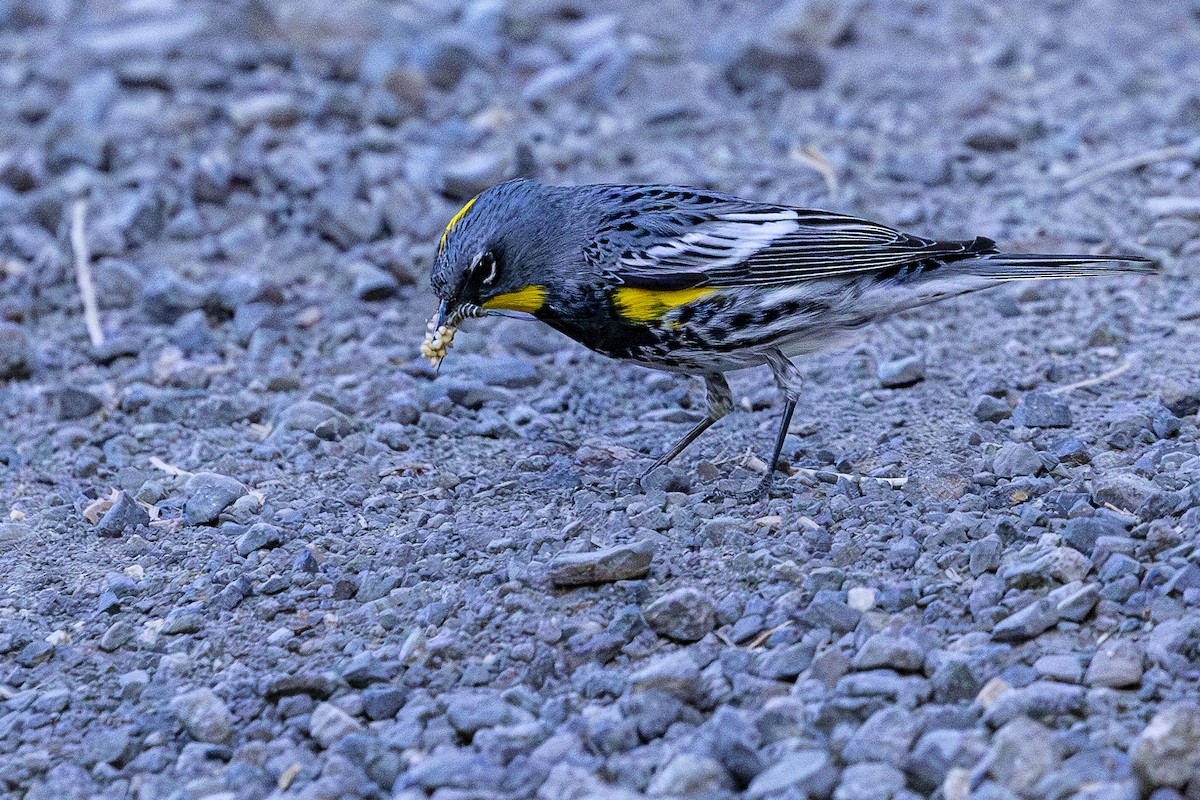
[{"x": 485, "y": 264}]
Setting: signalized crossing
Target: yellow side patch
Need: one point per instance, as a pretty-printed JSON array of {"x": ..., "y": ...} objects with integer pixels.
[
  {"x": 647, "y": 305},
  {"x": 457, "y": 218},
  {"x": 529, "y": 300}
]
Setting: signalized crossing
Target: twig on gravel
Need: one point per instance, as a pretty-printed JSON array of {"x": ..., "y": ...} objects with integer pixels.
[
  {"x": 762, "y": 637},
  {"x": 1101, "y": 378},
  {"x": 83, "y": 274},
  {"x": 810, "y": 156},
  {"x": 170, "y": 469},
  {"x": 1142, "y": 159}
]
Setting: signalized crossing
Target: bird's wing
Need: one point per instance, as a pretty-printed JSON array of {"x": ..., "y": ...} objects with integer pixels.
[{"x": 774, "y": 245}]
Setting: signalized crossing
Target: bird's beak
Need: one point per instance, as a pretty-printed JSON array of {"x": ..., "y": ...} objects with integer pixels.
[{"x": 441, "y": 316}]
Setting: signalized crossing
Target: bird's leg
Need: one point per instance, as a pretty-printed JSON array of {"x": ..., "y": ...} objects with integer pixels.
[
  {"x": 720, "y": 402},
  {"x": 788, "y": 378}
]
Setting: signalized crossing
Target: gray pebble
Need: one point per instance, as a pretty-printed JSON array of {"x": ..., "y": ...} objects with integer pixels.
[
  {"x": 210, "y": 493},
  {"x": 71, "y": 403},
  {"x": 1027, "y": 623},
  {"x": 685, "y": 615},
  {"x": 317, "y": 418},
  {"x": 204, "y": 715},
  {"x": 620, "y": 563},
  {"x": 810, "y": 772},
  {"x": 329, "y": 723},
  {"x": 1117, "y": 664},
  {"x": 867, "y": 781},
  {"x": 125, "y": 515},
  {"x": 1167, "y": 751},
  {"x": 16, "y": 357},
  {"x": 1042, "y": 410},
  {"x": 991, "y": 409},
  {"x": 1023, "y": 752},
  {"x": 259, "y": 536},
  {"x": 900, "y": 653},
  {"x": 1015, "y": 459},
  {"x": 785, "y": 663},
  {"x": 798, "y": 66},
  {"x": 886, "y": 736},
  {"x": 689, "y": 775},
  {"x": 901, "y": 372}
]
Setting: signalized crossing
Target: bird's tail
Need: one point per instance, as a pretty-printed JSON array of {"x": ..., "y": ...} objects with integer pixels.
[{"x": 1032, "y": 266}]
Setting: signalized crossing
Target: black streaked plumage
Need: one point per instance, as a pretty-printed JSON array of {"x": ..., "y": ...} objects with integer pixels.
[{"x": 701, "y": 282}]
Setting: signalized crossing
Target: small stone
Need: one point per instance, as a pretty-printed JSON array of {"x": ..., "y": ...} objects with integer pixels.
[
  {"x": 1117, "y": 664},
  {"x": 1180, "y": 400},
  {"x": 800, "y": 67},
  {"x": 468, "y": 177},
  {"x": 1016, "y": 458},
  {"x": 830, "y": 612},
  {"x": 1062, "y": 565},
  {"x": 829, "y": 667},
  {"x": 1082, "y": 533},
  {"x": 901, "y": 372},
  {"x": 984, "y": 555},
  {"x": 1027, "y": 623},
  {"x": 105, "y": 745},
  {"x": 70, "y": 403},
  {"x": 1023, "y": 751},
  {"x": 204, "y": 715},
  {"x": 991, "y": 409},
  {"x": 685, "y": 615},
  {"x": 809, "y": 772},
  {"x": 1167, "y": 751},
  {"x": 688, "y": 775},
  {"x": 372, "y": 284},
  {"x": 1042, "y": 410},
  {"x": 1039, "y": 700},
  {"x": 954, "y": 681},
  {"x": 313, "y": 684},
  {"x": 900, "y": 653},
  {"x": 1123, "y": 490},
  {"x": 125, "y": 515},
  {"x": 210, "y": 493},
  {"x": 329, "y": 723},
  {"x": 675, "y": 673},
  {"x": 16, "y": 355},
  {"x": 308, "y": 415},
  {"x": 382, "y": 702},
  {"x": 35, "y": 653},
  {"x": 181, "y": 620},
  {"x": 786, "y": 663},
  {"x": 271, "y": 108},
  {"x": 259, "y": 536},
  {"x": 1075, "y": 602},
  {"x": 469, "y": 712},
  {"x": 886, "y": 736},
  {"x": 1071, "y": 452},
  {"x": 119, "y": 634},
  {"x": 869, "y": 782},
  {"x": 1065, "y": 668},
  {"x": 621, "y": 563},
  {"x": 860, "y": 598}
]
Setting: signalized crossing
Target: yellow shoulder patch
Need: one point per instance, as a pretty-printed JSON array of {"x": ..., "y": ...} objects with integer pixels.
[
  {"x": 529, "y": 299},
  {"x": 457, "y": 218},
  {"x": 647, "y": 305}
]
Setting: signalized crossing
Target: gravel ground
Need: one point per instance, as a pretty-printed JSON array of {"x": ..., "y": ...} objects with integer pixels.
[{"x": 250, "y": 548}]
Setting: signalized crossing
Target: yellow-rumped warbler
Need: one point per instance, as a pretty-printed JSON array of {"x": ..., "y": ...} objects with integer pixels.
[{"x": 699, "y": 282}]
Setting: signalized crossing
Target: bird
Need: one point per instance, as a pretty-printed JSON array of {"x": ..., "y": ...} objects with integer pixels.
[{"x": 700, "y": 282}]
